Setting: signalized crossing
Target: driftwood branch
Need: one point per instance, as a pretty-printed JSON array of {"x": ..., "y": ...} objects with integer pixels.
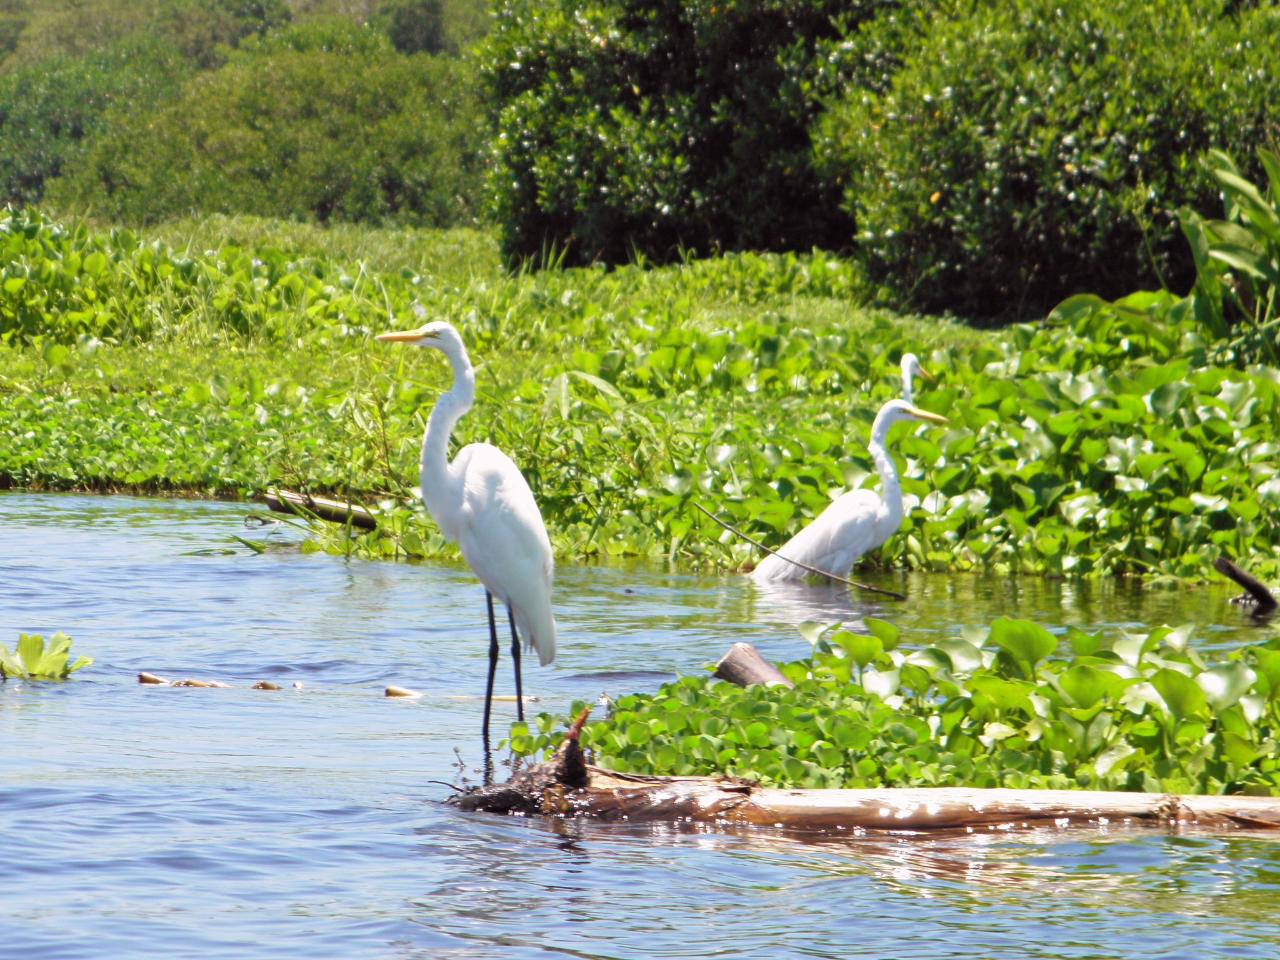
[
  {"x": 727, "y": 802},
  {"x": 568, "y": 786},
  {"x": 306, "y": 504},
  {"x": 814, "y": 570},
  {"x": 1264, "y": 602},
  {"x": 744, "y": 666}
]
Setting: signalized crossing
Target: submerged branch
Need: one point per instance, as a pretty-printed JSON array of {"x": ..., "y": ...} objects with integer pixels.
[
  {"x": 814, "y": 570},
  {"x": 306, "y": 504},
  {"x": 1264, "y": 602}
]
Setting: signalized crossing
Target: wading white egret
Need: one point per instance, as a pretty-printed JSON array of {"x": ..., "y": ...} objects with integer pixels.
[
  {"x": 911, "y": 368},
  {"x": 482, "y": 501},
  {"x": 857, "y": 521}
]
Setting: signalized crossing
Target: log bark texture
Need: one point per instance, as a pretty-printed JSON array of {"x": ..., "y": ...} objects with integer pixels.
[
  {"x": 568, "y": 786},
  {"x": 728, "y": 802},
  {"x": 744, "y": 666},
  {"x": 286, "y": 501}
]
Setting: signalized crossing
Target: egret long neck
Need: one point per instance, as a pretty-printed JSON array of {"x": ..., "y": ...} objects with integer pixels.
[
  {"x": 434, "y": 471},
  {"x": 890, "y": 489}
]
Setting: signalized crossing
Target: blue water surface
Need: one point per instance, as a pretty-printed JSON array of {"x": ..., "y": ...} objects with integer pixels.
[{"x": 143, "y": 821}]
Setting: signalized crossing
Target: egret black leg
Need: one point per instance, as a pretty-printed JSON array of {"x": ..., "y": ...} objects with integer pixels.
[
  {"x": 493, "y": 668},
  {"x": 515, "y": 656}
]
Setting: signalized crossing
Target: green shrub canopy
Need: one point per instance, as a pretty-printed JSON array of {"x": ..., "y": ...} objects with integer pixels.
[
  {"x": 1032, "y": 149},
  {"x": 651, "y": 127},
  {"x": 319, "y": 129}
]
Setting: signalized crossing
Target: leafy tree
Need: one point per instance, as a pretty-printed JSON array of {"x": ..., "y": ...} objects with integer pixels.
[
  {"x": 1027, "y": 150},
  {"x": 652, "y": 127},
  {"x": 46, "y": 112},
  {"x": 351, "y": 134},
  {"x": 414, "y": 26}
]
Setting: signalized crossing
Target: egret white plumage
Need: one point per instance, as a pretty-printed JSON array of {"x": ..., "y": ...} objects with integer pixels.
[
  {"x": 911, "y": 368},
  {"x": 482, "y": 501},
  {"x": 857, "y": 521}
]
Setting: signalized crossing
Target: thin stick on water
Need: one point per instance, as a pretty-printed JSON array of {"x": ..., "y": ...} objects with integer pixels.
[{"x": 822, "y": 573}]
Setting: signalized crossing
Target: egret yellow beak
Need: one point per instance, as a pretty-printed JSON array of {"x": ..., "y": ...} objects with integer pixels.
[
  {"x": 926, "y": 374},
  {"x": 926, "y": 415},
  {"x": 404, "y": 336}
]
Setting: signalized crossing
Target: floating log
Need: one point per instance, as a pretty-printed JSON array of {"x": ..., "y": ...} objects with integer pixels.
[
  {"x": 394, "y": 691},
  {"x": 567, "y": 786},
  {"x": 744, "y": 666},
  {"x": 306, "y": 504},
  {"x": 1264, "y": 602}
]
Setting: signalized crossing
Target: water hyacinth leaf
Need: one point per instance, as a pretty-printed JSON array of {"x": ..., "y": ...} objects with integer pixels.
[
  {"x": 1180, "y": 693},
  {"x": 1023, "y": 640},
  {"x": 883, "y": 683},
  {"x": 1225, "y": 683},
  {"x": 1004, "y": 694},
  {"x": 1087, "y": 685},
  {"x": 1113, "y": 758},
  {"x": 1083, "y": 644},
  {"x": 884, "y": 631},
  {"x": 862, "y": 650},
  {"x": 964, "y": 656}
]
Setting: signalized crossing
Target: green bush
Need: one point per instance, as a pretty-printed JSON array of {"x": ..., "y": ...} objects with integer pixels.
[
  {"x": 312, "y": 134},
  {"x": 1033, "y": 149},
  {"x": 198, "y": 30},
  {"x": 651, "y": 127},
  {"x": 414, "y": 26},
  {"x": 47, "y": 111}
]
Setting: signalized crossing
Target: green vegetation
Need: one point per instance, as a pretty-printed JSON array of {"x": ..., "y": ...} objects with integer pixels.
[
  {"x": 327, "y": 122},
  {"x": 1124, "y": 437},
  {"x": 32, "y": 660},
  {"x": 49, "y": 110},
  {"x": 995, "y": 708},
  {"x": 629, "y": 127},
  {"x": 1028, "y": 150}
]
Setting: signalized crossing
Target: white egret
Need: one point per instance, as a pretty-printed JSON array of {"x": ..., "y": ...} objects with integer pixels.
[
  {"x": 911, "y": 368},
  {"x": 857, "y": 521},
  {"x": 482, "y": 501}
]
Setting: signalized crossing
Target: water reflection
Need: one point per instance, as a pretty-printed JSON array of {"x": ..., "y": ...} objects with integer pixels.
[{"x": 239, "y": 823}]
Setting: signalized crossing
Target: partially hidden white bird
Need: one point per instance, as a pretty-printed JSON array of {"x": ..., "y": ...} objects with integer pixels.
[
  {"x": 482, "y": 501},
  {"x": 855, "y": 522},
  {"x": 911, "y": 368}
]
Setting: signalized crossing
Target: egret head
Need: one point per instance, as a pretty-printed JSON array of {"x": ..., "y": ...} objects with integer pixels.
[
  {"x": 911, "y": 368},
  {"x": 896, "y": 410},
  {"x": 437, "y": 334}
]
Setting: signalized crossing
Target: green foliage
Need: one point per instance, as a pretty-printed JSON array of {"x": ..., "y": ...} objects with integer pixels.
[
  {"x": 32, "y": 660},
  {"x": 47, "y": 111},
  {"x": 1104, "y": 442},
  {"x": 1027, "y": 150},
  {"x": 646, "y": 128},
  {"x": 414, "y": 26},
  {"x": 1238, "y": 264},
  {"x": 332, "y": 131},
  {"x": 199, "y": 31},
  {"x": 994, "y": 708}
]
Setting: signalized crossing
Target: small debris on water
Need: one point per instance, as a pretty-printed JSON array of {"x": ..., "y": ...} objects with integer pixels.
[
  {"x": 265, "y": 685},
  {"x": 402, "y": 692}
]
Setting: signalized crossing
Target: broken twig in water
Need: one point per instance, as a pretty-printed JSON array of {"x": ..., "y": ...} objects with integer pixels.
[
  {"x": 335, "y": 511},
  {"x": 1263, "y": 600},
  {"x": 822, "y": 573}
]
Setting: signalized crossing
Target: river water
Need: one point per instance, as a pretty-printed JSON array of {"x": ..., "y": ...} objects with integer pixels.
[{"x": 144, "y": 821}]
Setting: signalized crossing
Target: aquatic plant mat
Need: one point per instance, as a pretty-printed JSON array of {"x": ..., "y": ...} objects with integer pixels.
[{"x": 567, "y": 786}]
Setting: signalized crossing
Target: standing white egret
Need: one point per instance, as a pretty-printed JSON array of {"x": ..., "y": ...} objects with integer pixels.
[
  {"x": 911, "y": 368},
  {"x": 482, "y": 501},
  {"x": 855, "y": 522}
]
